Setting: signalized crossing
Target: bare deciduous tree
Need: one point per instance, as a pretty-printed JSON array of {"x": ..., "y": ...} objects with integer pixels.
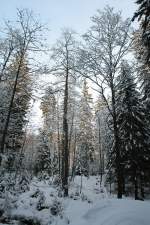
[
  {"x": 106, "y": 44},
  {"x": 64, "y": 56},
  {"x": 26, "y": 36}
]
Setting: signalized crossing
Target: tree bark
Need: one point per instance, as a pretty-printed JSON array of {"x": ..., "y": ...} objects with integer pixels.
[
  {"x": 136, "y": 186},
  {"x": 65, "y": 158},
  {"x": 142, "y": 187},
  {"x": 10, "y": 106},
  {"x": 117, "y": 150}
]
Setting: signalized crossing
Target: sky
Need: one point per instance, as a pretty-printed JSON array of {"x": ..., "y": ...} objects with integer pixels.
[{"x": 57, "y": 14}]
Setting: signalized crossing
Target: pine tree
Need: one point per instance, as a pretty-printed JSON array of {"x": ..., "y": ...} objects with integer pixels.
[
  {"x": 85, "y": 135},
  {"x": 133, "y": 133}
]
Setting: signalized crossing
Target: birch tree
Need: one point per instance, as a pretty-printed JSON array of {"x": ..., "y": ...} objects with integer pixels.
[{"x": 106, "y": 44}]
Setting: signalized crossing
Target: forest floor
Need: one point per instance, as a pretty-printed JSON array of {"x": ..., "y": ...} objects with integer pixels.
[{"x": 43, "y": 204}]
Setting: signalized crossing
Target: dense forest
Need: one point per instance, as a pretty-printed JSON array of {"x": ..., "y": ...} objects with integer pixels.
[{"x": 94, "y": 95}]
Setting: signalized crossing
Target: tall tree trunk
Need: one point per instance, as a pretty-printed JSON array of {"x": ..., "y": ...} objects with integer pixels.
[
  {"x": 117, "y": 150},
  {"x": 59, "y": 147},
  {"x": 74, "y": 158},
  {"x": 65, "y": 158},
  {"x": 70, "y": 138},
  {"x": 10, "y": 106},
  {"x": 136, "y": 186},
  {"x": 142, "y": 187},
  {"x": 100, "y": 153}
]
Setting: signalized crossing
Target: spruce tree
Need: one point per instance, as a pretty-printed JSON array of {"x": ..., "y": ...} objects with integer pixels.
[
  {"x": 85, "y": 135},
  {"x": 48, "y": 107},
  {"x": 143, "y": 15},
  {"x": 133, "y": 133},
  {"x": 43, "y": 160},
  {"x": 143, "y": 71},
  {"x": 18, "y": 115}
]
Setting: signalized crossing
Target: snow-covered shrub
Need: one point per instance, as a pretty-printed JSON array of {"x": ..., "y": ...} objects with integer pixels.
[
  {"x": 23, "y": 183},
  {"x": 57, "y": 181},
  {"x": 41, "y": 201},
  {"x": 56, "y": 208},
  {"x": 43, "y": 175},
  {"x": 84, "y": 197},
  {"x": 9, "y": 203},
  {"x": 3, "y": 160},
  {"x": 7, "y": 183},
  {"x": 2, "y": 187},
  {"x": 36, "y": 193},
  {"x": 23, "y": 220},
  {"x": 75, "y": 195},
  {"x": 71, "y": 195},
  {"x": 60, "y": 193}
]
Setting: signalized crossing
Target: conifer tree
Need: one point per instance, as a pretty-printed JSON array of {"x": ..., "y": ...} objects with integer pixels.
[
  {"x": 143, "y": 15},
  {"x": 133, "y": 133},
  {"x": 18, "y": 116},
  {"x": 85, "y": 135},
  {"x": 143, "y": 71},
  {"x": 48, "y": 106},
  {"x": 43, "y": 159}
]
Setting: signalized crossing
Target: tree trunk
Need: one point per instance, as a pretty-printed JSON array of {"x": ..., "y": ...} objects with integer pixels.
[
  {"x": 142, "y": 187},
  {"x": 65, "y": 158},
  {"x": 100, "y": 153},
  {"x": 59, "y": 148},
  {"x": 136, "y": 186},
  {"x": 74, "y": 158},
  {"x": 70, "y": 138},
  {"x": 117, "y": 150},
  {"x": 10, "y": 107}
]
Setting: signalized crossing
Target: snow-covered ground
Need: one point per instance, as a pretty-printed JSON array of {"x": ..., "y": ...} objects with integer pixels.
[{"x": 92, "y": 206}]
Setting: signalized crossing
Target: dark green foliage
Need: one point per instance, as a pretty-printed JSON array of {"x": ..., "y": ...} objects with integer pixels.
[
  {"x": 43, "y": 161},
  {"x": 133, "y": 131},
  {"x": 143, "y": 15}
]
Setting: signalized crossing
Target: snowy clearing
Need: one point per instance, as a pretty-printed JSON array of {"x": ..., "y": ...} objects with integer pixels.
[{"x": 44, "y": 205}]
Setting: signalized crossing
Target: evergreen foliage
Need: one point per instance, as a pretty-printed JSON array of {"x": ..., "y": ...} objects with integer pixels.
[
  {"x": 85, "y": 136},
  {"x": 143, "y": 15},
  {"x": 133, "y": 132}
]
